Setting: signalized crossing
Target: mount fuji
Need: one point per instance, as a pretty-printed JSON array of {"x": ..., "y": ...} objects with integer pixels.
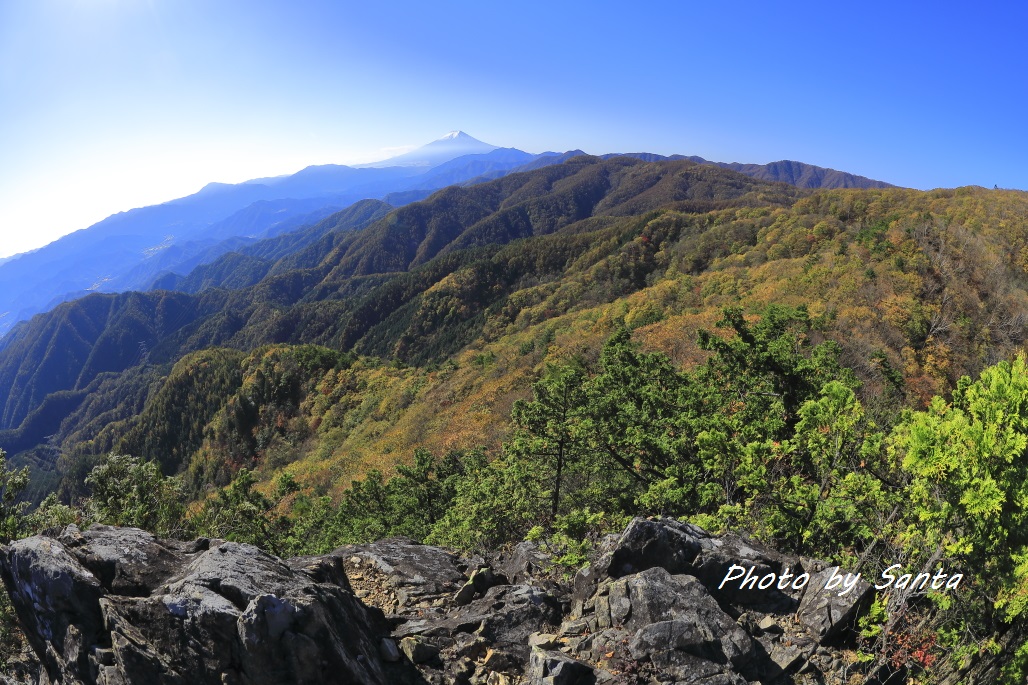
[{"x": 454, "y": 144}]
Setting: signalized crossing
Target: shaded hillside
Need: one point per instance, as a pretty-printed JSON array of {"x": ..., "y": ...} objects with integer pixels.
[
  {"x": 67, "y": 348},
  {"x": 249, "y": 264}
]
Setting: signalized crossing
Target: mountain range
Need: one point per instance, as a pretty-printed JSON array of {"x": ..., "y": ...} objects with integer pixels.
[
  {"x": 419, "y": 283},
  {"x": 557, "y": 343},
  {"x": 133, "y": 249}
]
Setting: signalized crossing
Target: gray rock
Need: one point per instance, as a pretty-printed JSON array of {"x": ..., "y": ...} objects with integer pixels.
[
  {"x": 418, "y": 650},
  {"x": 389, "y": 651},
  {"x": 477, "y": 585},
  {"x": 718, "y": 554},
  {"x": 825, "y": 612},
  {"x": 483, "y": 579},
  {"x": 501, "y": 660},
  {"x": 204, "y": 613},
  {"x": 507, "y": 615},
  {"x": 416, "y": 573},
  {"x": 554, "y": 668},
  {"x": 662, "y": 543},
  {"x": 769, "y": 625},
  {"x": 670, "y": 621},
  {"x": 542, "y": 640},
  {"x": 328, "y": 568},
  {"x": 524, "y": 564},
  {"x": 687, "y": 669},
  {"x": 465, "y": 594},
  {"x": 128, "y": 561},
  {"x": 788, "y": 656},
  {"x": 57, "y": 601},
  {"x": 113, "y": 606},
  {"x": 656, "y": 598}
]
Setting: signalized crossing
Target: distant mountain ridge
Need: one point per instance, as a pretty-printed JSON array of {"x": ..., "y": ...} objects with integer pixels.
[
  {"x": 510, "y": 260},
  {"x": 129, "y": 250},
  {"x": 133, "y": 249},
  {"x": 798, "y": 174}
]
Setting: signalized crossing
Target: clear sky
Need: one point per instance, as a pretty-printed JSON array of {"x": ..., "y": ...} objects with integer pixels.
[{"x": 107, "y": 105}]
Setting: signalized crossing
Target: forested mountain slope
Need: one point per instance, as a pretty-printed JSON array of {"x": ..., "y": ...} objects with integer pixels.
[
  {"x": 918, "y": 288},
  {"x": 104, "y": 333},
  {"x": 547, "y": 353}
]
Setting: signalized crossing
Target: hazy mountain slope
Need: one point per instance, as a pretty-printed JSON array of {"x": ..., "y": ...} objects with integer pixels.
[
  {"x": 470, "y": 168},
  {"x": 548, "y": 159},
  {"x": 128, "y": 250},
  {"x": 68, "y": 347},
  {"x": 250, "y": 263},
  {"x": 179, "y": 257},
  {"x": 108, "y": 252},
  {"x": 355, "y": 217}
]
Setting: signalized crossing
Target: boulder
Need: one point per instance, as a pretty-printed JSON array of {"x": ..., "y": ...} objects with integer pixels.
[
  {"x": 718, "y": 554},
  {"x": 826, "y": 612},
  {"x": 389, "y": 651},
  {"x": 679, "y": 547},
  {"x": 128, "y": 561},
  {"x": 477, "y": 585},
  {"x": 57, "y": 601},
  {"x": 113, "y": 606},
  {"x": 664, "y": 543},
  {"x": 525, "y": 564},
  {"x": 554, "y": 668},
  {"x": 677, "y": 613},
  {"x": 418, "y": 649},
  {"x": 398, "y": 574},
  {"x": 506, "y": 616}
]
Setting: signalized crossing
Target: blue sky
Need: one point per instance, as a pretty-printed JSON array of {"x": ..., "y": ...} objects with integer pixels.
[{"x": 111, "y": 104}]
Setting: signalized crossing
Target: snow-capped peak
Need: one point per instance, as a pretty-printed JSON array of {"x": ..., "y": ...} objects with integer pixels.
[{"x": 453, "y": 144}]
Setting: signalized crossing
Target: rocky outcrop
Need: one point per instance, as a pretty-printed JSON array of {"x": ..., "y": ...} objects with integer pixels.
[
  {"x": 115, "y": 605},
  {"x": 397, "y": 574}
]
